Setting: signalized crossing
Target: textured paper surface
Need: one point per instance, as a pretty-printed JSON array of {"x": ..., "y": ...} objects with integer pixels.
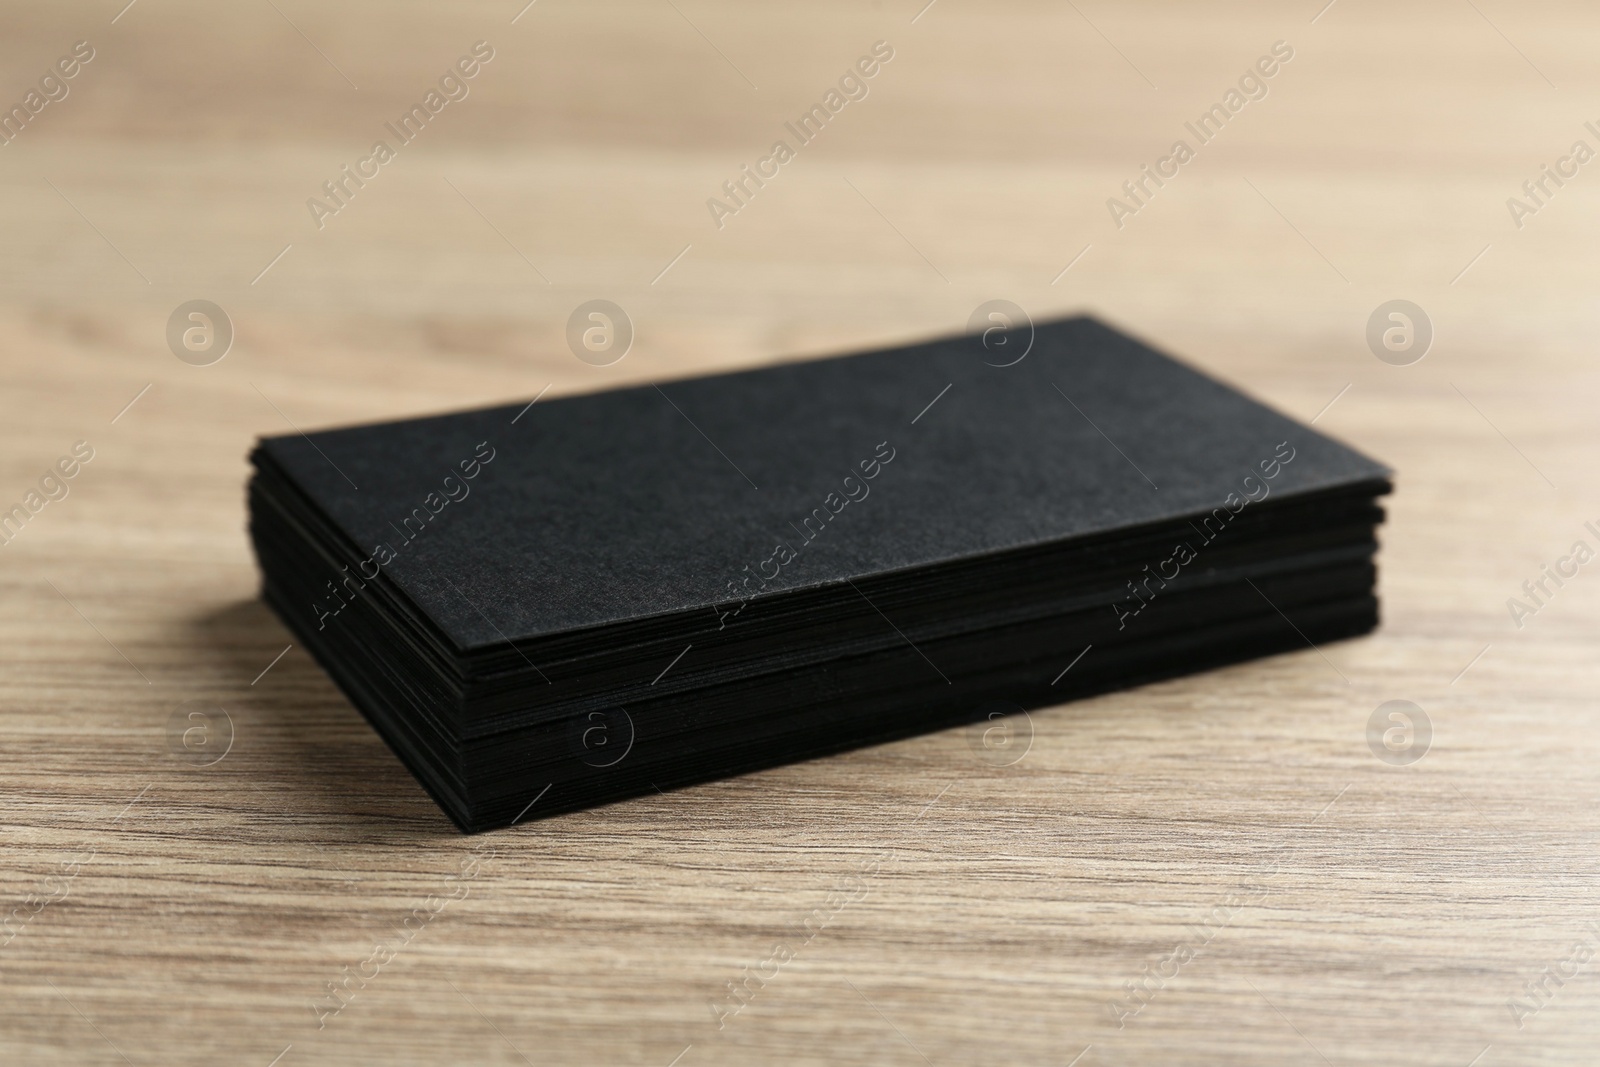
[{"x": 621, "y": 505}]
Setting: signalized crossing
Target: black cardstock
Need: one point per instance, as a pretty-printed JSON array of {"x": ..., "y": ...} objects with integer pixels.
[{"x": 767, "y": 565}]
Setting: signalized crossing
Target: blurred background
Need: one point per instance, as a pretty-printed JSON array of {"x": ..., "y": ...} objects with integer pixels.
[{"x": 177, "y": 163}]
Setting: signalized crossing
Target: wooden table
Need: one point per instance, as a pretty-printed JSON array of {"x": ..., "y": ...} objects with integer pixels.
[{"x": 1224, "y": 853}]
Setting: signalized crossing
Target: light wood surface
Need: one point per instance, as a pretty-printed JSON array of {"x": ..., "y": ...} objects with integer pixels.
[{"x": 958, "y": 912}]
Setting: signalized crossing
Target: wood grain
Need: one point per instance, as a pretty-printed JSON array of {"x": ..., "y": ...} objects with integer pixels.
[{"x": 905, "y": 904}]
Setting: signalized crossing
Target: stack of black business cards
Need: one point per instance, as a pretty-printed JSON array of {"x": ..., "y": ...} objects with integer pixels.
[{"x": 547, "y": 606}]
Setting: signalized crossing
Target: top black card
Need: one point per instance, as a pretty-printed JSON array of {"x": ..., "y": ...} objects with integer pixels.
[{"x": 521, "y": 521}]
